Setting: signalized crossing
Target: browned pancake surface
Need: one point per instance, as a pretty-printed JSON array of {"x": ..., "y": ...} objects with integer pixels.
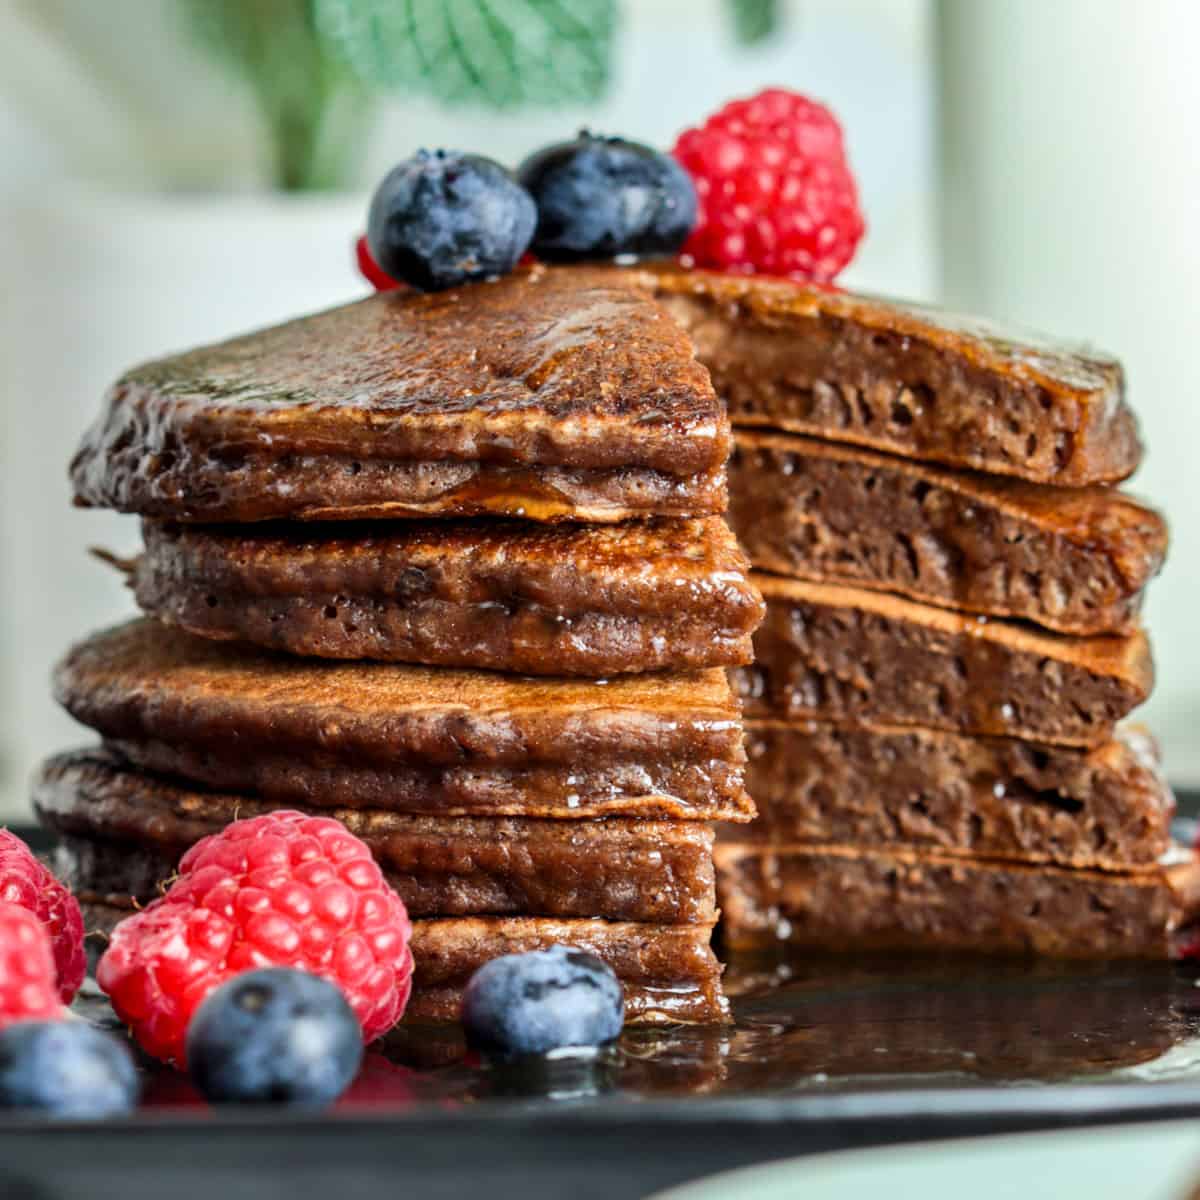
[
  {"x": 440, "y": 866},
  {"x": 409, "y": 738},
  {"x": 546, "y": 394},
  {"x": 507, "y": 596}
]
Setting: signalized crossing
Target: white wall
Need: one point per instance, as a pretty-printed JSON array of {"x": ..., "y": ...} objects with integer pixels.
[
  {"x": 109, "y": 268},
  {"x": 1073, "y": 205}
]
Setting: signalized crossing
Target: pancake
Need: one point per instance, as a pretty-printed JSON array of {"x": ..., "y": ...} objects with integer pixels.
[
  {"x": 668, "y": 972},
  {"x": 409, "y": 739},
  {"x": 814, "y": 782},
  {"x": 547, "y": 394},
  {"x": 905, "y": 378},
  {"x": 1074, "y": 560},
  {"x": 852, "y": 899},
  {"x": 866, "y": 657},
  {"x": 572, "y": 393},
  {"x": 509, "y": 596},
  {"x": 440, "y": 866}
]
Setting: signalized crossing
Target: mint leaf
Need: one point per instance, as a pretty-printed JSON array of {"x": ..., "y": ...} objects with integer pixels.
[
  {"x": 753, "y": 20},
  {"x": 500, "y": 53}
]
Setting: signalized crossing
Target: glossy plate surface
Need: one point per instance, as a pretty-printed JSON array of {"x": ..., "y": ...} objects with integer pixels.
[{"x": 824, "y": 1055}]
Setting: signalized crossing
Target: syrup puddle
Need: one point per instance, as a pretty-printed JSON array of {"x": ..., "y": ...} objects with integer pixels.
[{"x": 820, "y": 1027}]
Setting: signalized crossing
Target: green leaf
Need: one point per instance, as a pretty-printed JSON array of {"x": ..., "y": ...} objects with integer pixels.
[
  {"x": 754, "y": 21},
  {"x": 314, "y": 108},
  {"x": 499, "y": 53}
]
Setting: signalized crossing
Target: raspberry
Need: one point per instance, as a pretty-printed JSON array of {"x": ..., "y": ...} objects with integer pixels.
[
  {"x": 283, "y": 890},
  {"x": 370, "y": 269},
  {"x": 28, "y": 979},
  {"x": 776, "y": 193},
  {"x": 24, "y": 881}
]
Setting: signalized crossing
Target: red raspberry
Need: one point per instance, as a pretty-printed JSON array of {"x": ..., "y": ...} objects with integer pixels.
[
  {"x": 28, "y": 979},
  {"x": 370, "y": 270},
  {"x": 776, "y": 193},
  {"x": 24, "y": 881},
  {"x": 282, "y": 890}
]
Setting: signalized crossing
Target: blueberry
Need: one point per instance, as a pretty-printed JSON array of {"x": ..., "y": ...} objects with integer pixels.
[
  {"x": 601, "y": 197},
  {"x": 66, "y": 1068},
  {"x": 274, "y": 1035},
  {"x": 441, "y": 219},
  {"x": 540, "y": 1001}
]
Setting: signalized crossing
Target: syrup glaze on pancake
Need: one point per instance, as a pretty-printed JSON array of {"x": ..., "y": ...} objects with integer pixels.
[{"x": 546, "y": 394}]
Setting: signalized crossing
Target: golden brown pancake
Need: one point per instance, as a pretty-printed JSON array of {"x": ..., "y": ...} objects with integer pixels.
[
  {"x": 624, "y": 870},
  {"x": 669, "y": 973},
  {"x": 564, "y": 394},
  {"x": 410, "y": 739},
  {"x": 591, "y": 600}
]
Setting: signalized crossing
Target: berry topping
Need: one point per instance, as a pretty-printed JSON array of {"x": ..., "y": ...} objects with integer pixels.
[
  {"x": 24, "y": 881},
  {"x": 543, "y": 1000},
  {"x": 284, "y": 890},
  {"x": 602, "y": 197},
  {"x": 441, "y": 219},
  {"x": 368, "y": 268},
  {"x": 275, "y": 1035},
  {"x": 776, "y": 192},
  {"x": 28, "y": 979},
  {"x": 66, "y": 1068}
]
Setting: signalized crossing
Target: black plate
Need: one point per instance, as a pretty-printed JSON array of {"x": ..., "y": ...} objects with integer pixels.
[{"x": 823, "y": 1055}]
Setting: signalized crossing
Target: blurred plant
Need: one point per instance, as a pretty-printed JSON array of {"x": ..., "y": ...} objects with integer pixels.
[
  {"x": 500, "y": 53},
  {"x": 754, "y": 20},
  {"x": 314, "y": 66},
  {"x": 314, "y": 106}
]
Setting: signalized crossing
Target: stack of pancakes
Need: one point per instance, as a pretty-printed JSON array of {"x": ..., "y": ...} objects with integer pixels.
[
  {"x": 528, "y": 476},
  {"x": 951, "y": 642},
  {"x": 452, "y": 569}
]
